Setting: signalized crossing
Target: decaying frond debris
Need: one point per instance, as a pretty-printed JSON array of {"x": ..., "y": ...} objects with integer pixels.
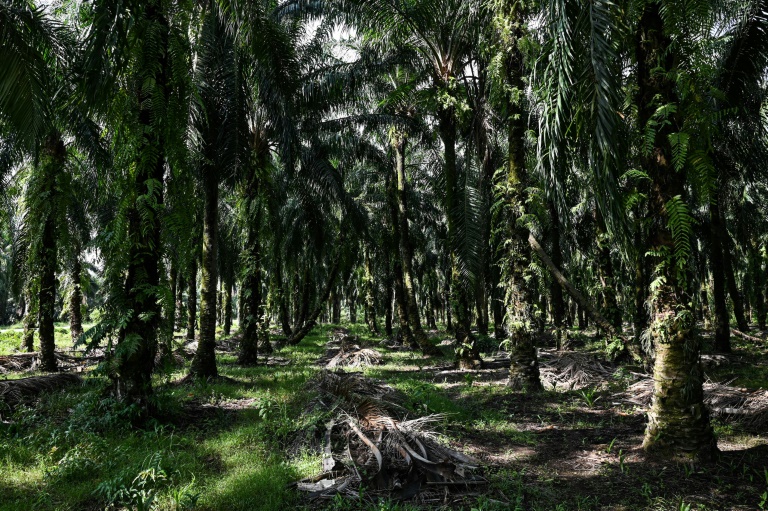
[
  {"x": 750, "y": 408},
  {"x": 344, "y": 350},
  {"x": 354, "y": 356},
  {"x": 368, "y": 442},
  {"x": 571, "y": 371},
  {"x": 13, "y": 392},
  {"x": 68, "y": 361},
  {"x": 19, "y": 362}
]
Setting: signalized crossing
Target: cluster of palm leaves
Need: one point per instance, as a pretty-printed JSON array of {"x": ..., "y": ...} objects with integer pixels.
[{"x": 277, "y": 159}]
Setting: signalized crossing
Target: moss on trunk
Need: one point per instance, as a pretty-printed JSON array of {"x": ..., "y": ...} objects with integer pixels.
[
  {"x": 678, "y": 421},
  {"x": 204, "y": 362}
]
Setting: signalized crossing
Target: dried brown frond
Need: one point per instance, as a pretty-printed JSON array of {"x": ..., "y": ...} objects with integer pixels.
[
  {"x": 370, "y": 441},
  {"x": 13, "y": 392},
  {"x": 572, "y": 371}
]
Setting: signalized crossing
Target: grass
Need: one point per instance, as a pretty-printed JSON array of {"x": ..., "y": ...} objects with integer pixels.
[
  {"x": 228, "y": 444},
  {"x": 11, "y": 338}
]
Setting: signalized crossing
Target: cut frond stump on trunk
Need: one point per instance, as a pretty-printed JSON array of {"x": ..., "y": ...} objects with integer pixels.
[{"x": 368, "y": 442}]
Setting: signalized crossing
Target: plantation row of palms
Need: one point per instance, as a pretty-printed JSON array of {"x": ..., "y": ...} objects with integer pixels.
[{"x": 490, "y": 164}]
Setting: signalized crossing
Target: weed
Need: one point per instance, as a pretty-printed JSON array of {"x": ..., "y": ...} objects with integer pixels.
[{"x": 588, "y": 395}]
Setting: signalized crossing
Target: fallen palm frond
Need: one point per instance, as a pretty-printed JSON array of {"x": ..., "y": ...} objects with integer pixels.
[
  {"x": 747, "y": 336},
  {"x": 344, "y": 350},
  {"x": 19, "y": 362},
  {"x": 369, "y": 442},
  {"x": 723, "y": 400},
  {"x": 13, "y": 392},
  {"x": 572, "y": 371},
  {"x": 354, "y": 357}
]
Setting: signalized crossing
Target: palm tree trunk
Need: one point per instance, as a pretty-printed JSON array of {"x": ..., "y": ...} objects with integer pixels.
[
  {"x": 76, "y": 301},
  {"x": 138, "y": 340},
  {"x": 251, "y": 317},
  {"x": 192, "y": 300},
  {"x": 555, "y": 291},
  {"x": 51, "y": 165},
  {"x": 430, "y": 311},
  {"x": 405, "y": 333},
  {"x": 640, "y": 317},
  {"x": 609, "y": 305},
  {"x": 311, "y": 319},
  {"x": 722, "y": 326},
  {"x": 180, "y": 316},
  {"x": 302, "y": 309},
  {"x": 250, "y": 323},
  {"x": 678, "y": 421},
  {"x": 173, "y": 281},
  {"x": 219, "y": 304},
  {"x": 467, "y": 355},
  {"x": 227, "y": 308},
  {"x": 388, "y": 290},
  {"x": 399, "y": 144},
  {"x": 759, "y": 286},
  {"x": 524, "y": 366},
  {"x": 30, "y": 320},
  {"x": 335, "y": 306},
  {"x": 280, "y": 297},
  {"x": 352, "y": 304},
  {"x": 204, "y": 362},
  {"x": 730, "y": 277}
]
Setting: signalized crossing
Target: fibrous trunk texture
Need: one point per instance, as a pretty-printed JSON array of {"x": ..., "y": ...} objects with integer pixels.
[
  {"x": 524, "y": 365},
  {"x": 51, "y": 165},
  {"x": 253, "y": 312},
  {"x": 204, "y": 362},
  {"x": 405, "y": 333},
  {"x": 467, "y": 354},
  {"x": 30, "y": 322},
  {"x": 678, "y": 421},
  {"x": 399, "y": 144}
]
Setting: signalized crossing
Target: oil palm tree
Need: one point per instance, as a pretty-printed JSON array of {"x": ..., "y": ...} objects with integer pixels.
[
  {"x": 135, "y": 75},
  {"x": 440, "y": 48},
  {"x": 678, "y": 166}
]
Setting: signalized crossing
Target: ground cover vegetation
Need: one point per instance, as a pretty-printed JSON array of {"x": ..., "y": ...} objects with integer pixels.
[{"x": 384, "y": 254}]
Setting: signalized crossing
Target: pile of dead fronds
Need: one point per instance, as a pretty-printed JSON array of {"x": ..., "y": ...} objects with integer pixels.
[
  {"x": 72, "y": 360},
  {"x": 571, "y": 371},
  {"x": 13, "y": 392},
  {"x": 354, "y": 356},
  {"x": 344, "y": 350},
  {"x": 750, "y": 408},
  {"x": 368, "y": 442},
  {"x": 19, "y": 362}
]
